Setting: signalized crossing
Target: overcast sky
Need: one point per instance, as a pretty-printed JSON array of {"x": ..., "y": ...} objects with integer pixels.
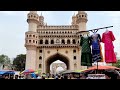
[{"x": 13, "y": 26}]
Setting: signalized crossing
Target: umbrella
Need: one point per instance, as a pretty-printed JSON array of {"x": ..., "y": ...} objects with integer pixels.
[
  {"x": 80, "y": 70},
  {"x": 44, "y": 75},
  {"x": 33, "y": 75},
  {"x": 21, "y": 72},
  {"x": 67, "y": 72},
  {"x": 102, "y": 67},
  {"x": 28, "y": 71},
  {"x": 7, "y": 72},
  {"x": 95, "y": 69},
  {"x": 37, "y": 71}
]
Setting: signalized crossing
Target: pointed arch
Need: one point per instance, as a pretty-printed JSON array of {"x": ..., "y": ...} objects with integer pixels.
[{"x": 56, "y": 56}]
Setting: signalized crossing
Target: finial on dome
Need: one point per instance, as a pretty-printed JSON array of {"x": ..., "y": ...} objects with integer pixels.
[
  {"x": 41, "y": 13},
  {"x": 74, "y": 14}
]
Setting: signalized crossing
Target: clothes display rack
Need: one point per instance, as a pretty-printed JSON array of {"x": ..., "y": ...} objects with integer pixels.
[{"x": 94, "y": 31}]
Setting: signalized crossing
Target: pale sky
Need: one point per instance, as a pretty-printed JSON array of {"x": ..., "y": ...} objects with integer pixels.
[{"x": 13, "y": 26}]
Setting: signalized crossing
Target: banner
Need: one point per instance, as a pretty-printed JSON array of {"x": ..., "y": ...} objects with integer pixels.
[{"x": 96, "y": 76}]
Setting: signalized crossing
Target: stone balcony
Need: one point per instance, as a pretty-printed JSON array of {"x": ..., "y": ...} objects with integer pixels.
[
  {"x": 61, "y": 27},
  {"x": 58, "y": 45}
]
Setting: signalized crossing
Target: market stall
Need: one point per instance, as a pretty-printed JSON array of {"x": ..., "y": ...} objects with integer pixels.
[{"x": 8, "y": 73}]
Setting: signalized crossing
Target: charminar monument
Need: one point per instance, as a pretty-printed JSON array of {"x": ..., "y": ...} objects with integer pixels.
[{"x": 48, "y": 43}]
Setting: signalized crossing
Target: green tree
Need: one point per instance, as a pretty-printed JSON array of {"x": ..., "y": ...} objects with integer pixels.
[
  {"x": 19, "y": 62},
  {"x": 117, "y": 64},
  {"x": 4, "y": 60}
]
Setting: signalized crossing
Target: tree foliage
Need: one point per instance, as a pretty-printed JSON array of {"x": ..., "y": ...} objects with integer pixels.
[
  {"x": 19, "y": 62},
  {"x": 4, "y": 59},
  {"x": 117, "y": 64}
]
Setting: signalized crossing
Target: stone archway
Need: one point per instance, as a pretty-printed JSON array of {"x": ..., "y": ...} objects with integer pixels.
[{"x": 55, "y": 57}]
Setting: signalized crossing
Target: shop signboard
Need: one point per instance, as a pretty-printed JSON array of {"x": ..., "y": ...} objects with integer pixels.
[{"x": 96, "y": 76}]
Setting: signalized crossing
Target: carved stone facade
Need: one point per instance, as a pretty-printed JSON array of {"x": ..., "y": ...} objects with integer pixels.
[{"x": 46, "y": 44}]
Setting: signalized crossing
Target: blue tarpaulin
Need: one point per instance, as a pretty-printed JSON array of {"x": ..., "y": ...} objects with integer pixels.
[
  {"x": 6, "y": 72},
  {"x": 33, "y": 75}
]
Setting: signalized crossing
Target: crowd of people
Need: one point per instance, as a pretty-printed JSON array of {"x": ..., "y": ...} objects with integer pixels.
[
  {"x": 29, "y": 76},
  {"x": 57, "y": 76}
]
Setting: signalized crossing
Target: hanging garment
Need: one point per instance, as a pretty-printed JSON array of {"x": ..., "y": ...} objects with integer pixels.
[
  {"x": 96, "y": 50},
  {"x": 101, "y": 54},
  {"x": 107, "y": 38},
  {"x": 86, "y": 57}
]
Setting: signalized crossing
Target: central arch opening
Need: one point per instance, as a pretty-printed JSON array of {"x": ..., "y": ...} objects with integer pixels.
[
  {"x": 56, "y": 57},
  {"x": 57, "y": 67}
]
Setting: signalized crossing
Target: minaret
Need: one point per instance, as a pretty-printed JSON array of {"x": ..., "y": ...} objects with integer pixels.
[
  {"x": 81, "y": 20},
  {"x": 31, "y": 38},
  {"x": 33, "y": 20},
  {"x": 41, "y": 20},
  {"x": 73, "y": 20}
]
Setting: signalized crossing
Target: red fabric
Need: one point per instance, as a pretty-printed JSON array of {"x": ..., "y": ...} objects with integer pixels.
[
  {"x": 107, "y": 39},
  {"x": 28, "y": 71},
  {"x": 102, "y": 67}
]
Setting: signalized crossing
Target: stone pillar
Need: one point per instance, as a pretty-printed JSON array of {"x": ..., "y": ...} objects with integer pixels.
[{"x": 31, "y": 58}]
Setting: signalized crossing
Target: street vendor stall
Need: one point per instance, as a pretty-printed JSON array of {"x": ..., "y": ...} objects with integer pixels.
[
  {"x": 110, "y": 71},
  {"x": 9, "y": 73}
]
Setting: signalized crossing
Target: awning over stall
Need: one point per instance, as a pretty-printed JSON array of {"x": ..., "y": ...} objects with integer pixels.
[{"x": 6, "y": 72}]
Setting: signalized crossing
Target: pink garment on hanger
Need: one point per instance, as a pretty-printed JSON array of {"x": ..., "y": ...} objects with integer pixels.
[{"x": 107, "y": 38}]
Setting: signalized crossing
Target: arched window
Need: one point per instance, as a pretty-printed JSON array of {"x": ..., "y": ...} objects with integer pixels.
[
  {"x": 33, "y": 41},
  {"x": 33, "y": 35},
  {"x": 41, "y": 41},
  {"x": 29, "y": 41},
  {"x": 40, "y": 51},
  {"x": 63, "y": 41},
  {"x": 74, "y": 51},
  {"x": 73, "y": 41},
  {"x": 68, "y": 41},
  {"x": 46, "y": 41},
  {"x": 40, "y": 57},
  {"x": 30, "y": 35},
  {"x": 74, "y": 57},
  {"x": 39, "y": 65},
  {"x": 75, "y": 66},
  {"x": 52, "y": 41}
]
